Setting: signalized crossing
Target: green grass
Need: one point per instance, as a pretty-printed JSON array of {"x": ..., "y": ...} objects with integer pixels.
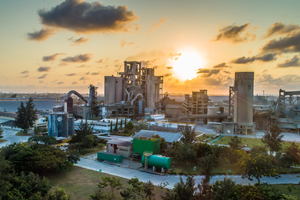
[
  {"x": 79, "y": 183},
  {"x": 22, "y": 134},
  {"x": 250, "y": 142},
  {"x": 2, "y": 140},
  {"x": 284, "y": 190},
  {"x": 204, "y": 137}
]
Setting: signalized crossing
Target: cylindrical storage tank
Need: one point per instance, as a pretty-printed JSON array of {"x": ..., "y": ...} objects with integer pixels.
[
  {"x": 212, "y": 111},
  {"x": 157, "y": 161}
]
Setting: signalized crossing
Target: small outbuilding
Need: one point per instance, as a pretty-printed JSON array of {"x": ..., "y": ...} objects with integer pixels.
[{"x": 120, "y": 147}]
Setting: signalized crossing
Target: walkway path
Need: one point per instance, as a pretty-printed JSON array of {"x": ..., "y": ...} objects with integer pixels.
[
  {"x": 10, "y": 136},
  {"x": 173, "y": 179}
]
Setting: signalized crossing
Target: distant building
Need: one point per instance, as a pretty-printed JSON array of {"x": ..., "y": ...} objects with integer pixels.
[{"x": 137, "y": 86}]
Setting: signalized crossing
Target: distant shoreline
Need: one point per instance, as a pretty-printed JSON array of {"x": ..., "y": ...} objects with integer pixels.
[{"x": 26, "y": 99}]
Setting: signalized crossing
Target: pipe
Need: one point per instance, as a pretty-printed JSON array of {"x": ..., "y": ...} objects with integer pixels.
[{"x": 139, "y": 94}]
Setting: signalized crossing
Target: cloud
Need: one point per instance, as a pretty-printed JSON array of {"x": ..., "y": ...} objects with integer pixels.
[
  {"x": 206, "y": 73},
  {"x": 41, "y": 81},
  {"x": 43, "y": 76},
  {"x": 169, "y": 67},
  {"x": 43, "y": 69},
  {"x": 293, "y": 62},
  {"x": 137, "y": 28},
  {"x": 87, "y": 73},
  {"x": 95, "y": 73},
  {"x": 243, "y": 60},
  {"x": 74, "y": 83},
  {"x": 51, "y": 57},
  {"x": 279, "y": 28},
  {"x": 99, "y": 61},
  {"x": 103, "y": 61},
  {"x": 83, "y": 66},
  {"x": 286, "y": 44},
  {"x": 41, "y": 35},
  {"x": 283, "y": 81},
  {"x": 123, "y": 43},
  {"x": 79, "y": 58},
  {"x": 59, "y": 83},
  {"x": 79, "y": 40},
  {"x": 24, "y": 72},
  {"x": 261, "y": 57},
  {"x": 235, "y": 34},
  {"x": 72, "y": 74},
  {"x": 220, "y": 66},
  {"x": 25, "y": 76},
  {"x": 168, "y": 74},
  {"x": 85, "y": 17},
  {"x": 154, "y": 26}
]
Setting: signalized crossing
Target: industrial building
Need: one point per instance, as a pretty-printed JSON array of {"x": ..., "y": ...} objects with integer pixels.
[
  {"x": 241, "y": 102},
  {"x": 197, "y": 104},
  {"x": 136, "y": 90}
]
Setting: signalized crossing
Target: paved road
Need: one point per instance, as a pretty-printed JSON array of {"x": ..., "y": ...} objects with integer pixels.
[
  {"x": 10, "y": 136},
  {"x": 173, "y": 179},
  {"x": 292, "y": 137}
]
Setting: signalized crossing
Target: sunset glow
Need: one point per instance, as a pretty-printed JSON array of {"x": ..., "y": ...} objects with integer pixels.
[{"x": 186, "y": 64}]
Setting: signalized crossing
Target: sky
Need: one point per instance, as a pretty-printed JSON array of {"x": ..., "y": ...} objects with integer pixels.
[{"x": 57, "y": 46}]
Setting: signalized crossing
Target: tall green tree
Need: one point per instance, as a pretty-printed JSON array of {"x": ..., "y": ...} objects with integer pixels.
[
  {"x": 291, "y": 156},
  {"x": 138, "y": 190},
  {"x": 1, "y": 132},
  {"x": 188, "y": 135},
  {"x": 182, "y": 191},
  {"x": 47, "y": 139},
  {"x": 273, "y": 138},
  {"x": 116, "y": 127},
  {"x": 26, "y": 115},
  {"x": 235, "y": 143},
  {"x": 84, "y": 138}
]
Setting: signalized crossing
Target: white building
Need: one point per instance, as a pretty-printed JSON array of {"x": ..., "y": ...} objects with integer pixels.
[{"x": 103, "y": 125}]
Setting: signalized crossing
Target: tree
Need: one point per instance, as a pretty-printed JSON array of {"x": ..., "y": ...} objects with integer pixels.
[
  {"x": 37, "y": 159},
  {"x": 59, "y": 194},
  {"x": 140, "y": 125},
  {"x": 256, "y": 166},
  {"x": 121, "y": 124},
  {"x": 163, "y": 143},
  {"x": 291, "y": 156},
  {"x": 111, "y": 128},
  {"x": 94, "y": 103},
  {"x": 149, "y": 190},
  {"x": 113, "y": 183},
  {"x": 116, "y": 127},
  {"x": 138, "y": 190},
  {"x": 84, "y": 138},
  {"x": 223, "y": 190},
  {"x": 182, "y": 191},
  {"x": 273, "y": 138},
  {"x": 129, "y": 126},
  {"x": 47, "y": 139},
  {"x": 235, "y": 143},
  {"x": 1, "y": 132},
  {"x": 188, "y": 135},
  {"x": 26, "y": 116}
]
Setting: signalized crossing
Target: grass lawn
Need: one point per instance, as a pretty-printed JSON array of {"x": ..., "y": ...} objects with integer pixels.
[
  {"x": 79, "y": 183},
  {"x": 284, "y": 190},
  {"x": 250, "y": 142},
  {"x": 204, "y": 137},
  {"x": 2, "y": 140},
  {"x": 22, "y": 134}
]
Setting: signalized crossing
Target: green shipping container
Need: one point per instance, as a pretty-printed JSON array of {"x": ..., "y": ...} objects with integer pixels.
[
  {"x": 157, "y": 161},
  {"x": 111, "y": 157},
  {"x": 141, "y": 146}
]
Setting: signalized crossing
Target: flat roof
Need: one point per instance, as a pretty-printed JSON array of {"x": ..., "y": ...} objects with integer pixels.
[{"x": 169, "y": 137}]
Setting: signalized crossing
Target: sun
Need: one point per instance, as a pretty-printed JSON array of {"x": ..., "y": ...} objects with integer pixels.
[{"x": 186, "y": 64}]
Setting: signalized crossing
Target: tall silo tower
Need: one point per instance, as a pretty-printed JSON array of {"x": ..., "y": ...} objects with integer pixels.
[{"x": 243, "y": 102}]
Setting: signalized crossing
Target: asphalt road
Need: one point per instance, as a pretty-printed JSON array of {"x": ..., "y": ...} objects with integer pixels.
[
  {"x": 173, "y": 179},
  {"x": 10, "y": 136}
]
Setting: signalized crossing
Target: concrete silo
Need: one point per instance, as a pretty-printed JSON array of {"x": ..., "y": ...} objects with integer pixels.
[{"x": 243, "y": 102}]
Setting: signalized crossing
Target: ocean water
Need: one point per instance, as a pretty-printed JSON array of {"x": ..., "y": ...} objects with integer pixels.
[{"x": 12, "y": 106}]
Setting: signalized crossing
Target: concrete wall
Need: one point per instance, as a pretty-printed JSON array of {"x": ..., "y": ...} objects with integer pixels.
[{"x": 113, "y": 89}]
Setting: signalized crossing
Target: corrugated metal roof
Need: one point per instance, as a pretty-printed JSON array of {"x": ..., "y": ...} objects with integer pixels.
[
  {"x": 287, "y": 126},
  {"x": 169, "y": 137}
]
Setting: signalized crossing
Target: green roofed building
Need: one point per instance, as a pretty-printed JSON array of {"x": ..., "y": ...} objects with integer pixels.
[{"x": 146, "y": 145}]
